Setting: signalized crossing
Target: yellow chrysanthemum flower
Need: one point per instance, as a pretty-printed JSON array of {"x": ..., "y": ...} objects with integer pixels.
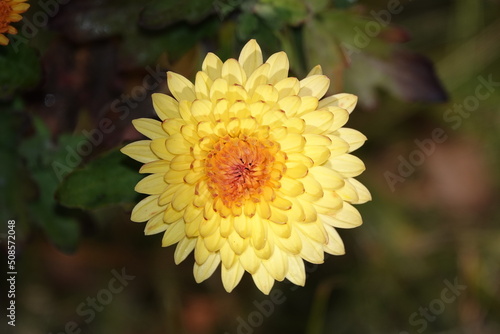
[
  {"x": 9, "y": 12},
  {"x": 250, "y": 168}
]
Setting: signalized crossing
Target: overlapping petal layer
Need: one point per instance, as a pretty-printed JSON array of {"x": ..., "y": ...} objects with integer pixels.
[{"x": 250, "y": 169}]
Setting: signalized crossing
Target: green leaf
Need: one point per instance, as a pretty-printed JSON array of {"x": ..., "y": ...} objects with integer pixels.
[
  {"x": 40, "y": 153},
  {"x": 107, "y": 180},
  {"x": 20, "y": 68}
]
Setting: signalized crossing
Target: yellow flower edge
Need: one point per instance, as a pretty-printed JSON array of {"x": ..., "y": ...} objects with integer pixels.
[
  {"x": 10, "y": 11},
  {"x": 250, "y": 169}
]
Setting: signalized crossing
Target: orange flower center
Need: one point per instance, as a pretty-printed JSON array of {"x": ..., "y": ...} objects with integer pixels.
[{"x": 239, "y": 168}]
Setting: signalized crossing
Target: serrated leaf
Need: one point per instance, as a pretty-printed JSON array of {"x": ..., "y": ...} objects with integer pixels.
[{"x": 109, "y": 179}]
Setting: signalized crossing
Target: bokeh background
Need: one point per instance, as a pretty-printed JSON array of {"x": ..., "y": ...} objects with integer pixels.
[{"x": 426, "y": 259}]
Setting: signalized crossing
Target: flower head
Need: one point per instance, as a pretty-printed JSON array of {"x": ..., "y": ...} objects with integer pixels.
[
  {"x": 249, "y": 168},
  {"x": 9, "y": 12}
]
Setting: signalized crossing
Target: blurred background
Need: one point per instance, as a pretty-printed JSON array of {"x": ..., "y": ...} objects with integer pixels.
[{"x": 426, "y": 259}]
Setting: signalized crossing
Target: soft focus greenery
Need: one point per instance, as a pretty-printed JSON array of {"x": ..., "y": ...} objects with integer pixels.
[{"x": 70, "y": 88}]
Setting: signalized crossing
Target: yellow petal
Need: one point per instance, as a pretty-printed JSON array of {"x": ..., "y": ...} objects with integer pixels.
[
  {"x": 174, "y": 233},
  {"x": 347, "y": 165},
  {"x": 259, "y": 232},
  {"x": 279, "y": 66},
  {"x": 151, "y": 128},
  {"x": 257, "y": 78},
  {"x": 249, "y": 261},
  {"x": 181, "y": 162},
  {"x": 281, "y": 230},
  {"x": 316, "y": 70},
  {"x": 287, "y": 87},
  {"x": 354, "y": 138},
  {"x": 227, "y": 256},
  {"x": 330, "y": 203},
  {"x": 340, "y": 118},
  {"x": 155, "y": 225},
  {"x": 146, "y": 209},
  {"x": 159, "y": 148},
  {"x": 291, "y": 187},
  {"x": 292, "y": 244},
  {"x": 201, "y": 252},
  {"x": 296, "y": 270},
  {"x": 171, "y": 216},
  {"x": 263, "y": 280},
  {"x": 202, "y": 84},
  {"x": 180, "y": 87},
  {"x": 266, "y": 93},
  {"x": 290, "y": 105},
  {"x": 314, "y": 231},
  {"x": 348, "y": 192},
  {"x": 243, "y": 226},
  {"x": 165, "y": 106},
  {"x": 312, "y": 251},
  {"x": 182, "y": 198},
  {"x": 338, "y": 146},
  {"x": 201, "y": 110},
  {"x": 231, "y": 276},
  {"x": 177, "y": 144},
  {"x": 308, "y": 104},
  {"x": 315, "y": 85},
  {"x": 347, "y": 217},
  {"x": 173, "y": 125},
  {"x": 363, "y": 193},
  {"x": 212, "y": 65},
  {"x": 293, "y": 142},
  {"x": 312, "y": 186},
  {"x": 214, "y": 242},
  {"x": 335, "y": 246},
  {"x": 342, "y": 100},
  {"x": 277, "y": 264},
  {"x": 140, "y": 151},
  {"x": 233, "y": 73},
  {"x": 219, "y": 90},
  {"x": 183, "y": 249},
  {"x": 328, "y": 178},
  {"x": 237, "y": 243},
  {"x": 250, "y": 57},
  {"x": 318, "y": 121},
  {"x": 204, "y": 271},
  {"x": 318, "y": 154},
  {"x": 152, "y": 185}
]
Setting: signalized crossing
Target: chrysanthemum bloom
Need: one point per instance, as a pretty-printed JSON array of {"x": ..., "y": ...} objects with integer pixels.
[
  {"x": 9, "y": 12},
  {"x": 250, "y": 168}
]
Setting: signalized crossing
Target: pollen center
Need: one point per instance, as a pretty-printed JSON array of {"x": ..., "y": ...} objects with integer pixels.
[{"x": 239, "y": 168}]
